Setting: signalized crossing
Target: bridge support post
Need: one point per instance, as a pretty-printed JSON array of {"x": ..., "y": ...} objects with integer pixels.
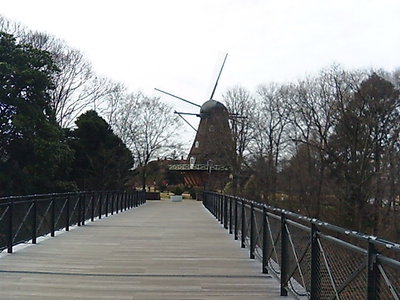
[
  {"x": 221, "y": 209},
  {"x": 236, "y": 219},
  {"x": 100, "y": 203},
  {"x": 284, "y": 255},
  {"x": 243, "y": 218},
  {"x": 225, "y": 199},
  {"x": 107, "y": 200},
  {"x": 53, "y": 215},
  {"x": 79, "y": 209},
  {"x": 112, "y": 204},
  {"x": 264, "y": 241},
  {"x": 67, "y": 214},
  {"x": 372, "y": 278},
  {"x": 10, "y": 226},
  {"x": 252, "y": 233},
  {"x": 92, "y": 207},
  {"x": 83, "y": 209},
  {"x": 34, "y": 221},
  {"x": 230, "y": 215},
  {"x": 314, "y": 292}
]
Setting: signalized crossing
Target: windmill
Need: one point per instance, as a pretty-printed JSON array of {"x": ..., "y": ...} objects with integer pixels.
[{"x": 209, "y": 157}]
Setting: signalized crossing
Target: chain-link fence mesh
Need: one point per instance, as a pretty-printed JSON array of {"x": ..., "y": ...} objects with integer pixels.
[
  {"x": 388, "y": 285},
  {"x": 343, "y": 270},
  {"x": 299, "y": 258}
]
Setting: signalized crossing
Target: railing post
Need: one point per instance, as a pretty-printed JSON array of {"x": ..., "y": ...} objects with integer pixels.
[
  {"x": 100, "y": 203},
  {"x": 79, "y": 209},
  {"x": 92, "y": 207},
  {"x": 83, "y": 208},
  {"x": 230, "y": 215},
  {"x": 53, "y": 215},
  {"x": 34, "y": 221},
  {"x": 264, "y": 241},
  {"x": 284, "y": 254},
  {"x": 372, "y": 278},
  {"x": 126, "y": 200},
  {"x": 67, "y": 214},
  {"x": 107, "y": 200},
  {"x": 225, "y": 212},
  {"x": 116, "y": 202},
  {"x": 243, "y": 227},
  {"x": 252, "y": 237},
  {"x": 120, "y": 202},
  {"x": 236, "y": 219},
  {"x": 215, "y": 206},
  {"x": 222, "y": 200},
  {"x": 137, "y": 199},
  {"x": 314, "y": 292},
  {"x": 112, "y": 203},
  {"x": 218, "y": 197},
  {"x": 10, "y": 226}
]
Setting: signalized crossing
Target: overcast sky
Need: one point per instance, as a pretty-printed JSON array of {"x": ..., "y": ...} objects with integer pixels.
[{"x": 179, "y": 45}]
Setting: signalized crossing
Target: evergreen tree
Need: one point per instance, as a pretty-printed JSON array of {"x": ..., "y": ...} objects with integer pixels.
[
  {"x": 102, "y": 161},
  {"x": 33, "y": 155}
]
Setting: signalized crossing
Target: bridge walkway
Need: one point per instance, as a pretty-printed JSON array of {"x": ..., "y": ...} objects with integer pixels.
[{"x": 161, "y": 250}]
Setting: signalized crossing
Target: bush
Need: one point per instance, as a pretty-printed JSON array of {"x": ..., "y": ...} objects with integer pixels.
[{"x": 177, "y": 190}]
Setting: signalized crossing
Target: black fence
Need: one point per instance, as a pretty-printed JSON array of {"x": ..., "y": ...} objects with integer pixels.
[
  {"x": 312, "y": 259},
  {"x": 24, "y": 218}
]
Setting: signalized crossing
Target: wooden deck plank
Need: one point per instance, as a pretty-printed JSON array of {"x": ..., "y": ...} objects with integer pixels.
[{"x": 162, "y": 250}]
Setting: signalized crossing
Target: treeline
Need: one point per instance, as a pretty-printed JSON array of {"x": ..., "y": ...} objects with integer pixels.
[
  {"x": 63, "y": 127},
  {"x": 327, "y": 146},
  {"x": 36, "y": 154}
]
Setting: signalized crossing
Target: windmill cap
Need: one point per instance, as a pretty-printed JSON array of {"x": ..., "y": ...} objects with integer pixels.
[{"x": 210, "y": 107}]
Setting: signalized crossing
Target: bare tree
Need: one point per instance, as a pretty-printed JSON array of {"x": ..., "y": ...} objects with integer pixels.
[
  {"x": 241, "y": 106},
  {"x": 270, "y": 135},
  {"x": 11, "y": 27},
  {"x": 78, "y": 88},
  {"x": 112, "y": 101},
  {"x": 148, "y": 127}
]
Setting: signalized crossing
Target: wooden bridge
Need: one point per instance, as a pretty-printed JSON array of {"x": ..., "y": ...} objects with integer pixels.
[{"x": 161, "y": 250}]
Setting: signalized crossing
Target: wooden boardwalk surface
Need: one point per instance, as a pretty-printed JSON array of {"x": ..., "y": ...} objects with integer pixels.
[{"x": 162, "y": 250}]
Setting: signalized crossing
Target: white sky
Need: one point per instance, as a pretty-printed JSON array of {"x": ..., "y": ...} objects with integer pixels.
[{"x": 179, "y": 45}]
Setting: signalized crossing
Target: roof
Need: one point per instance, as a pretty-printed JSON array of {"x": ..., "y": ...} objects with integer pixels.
[{"x": 211, "y": 106}]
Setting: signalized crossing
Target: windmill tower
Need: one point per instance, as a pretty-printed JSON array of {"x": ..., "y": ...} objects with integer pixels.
[{"x": 208, "y": 161}]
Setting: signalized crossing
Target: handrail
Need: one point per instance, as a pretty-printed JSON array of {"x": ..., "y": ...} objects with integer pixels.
[
  {"x": 24, "y": 218},
  {"x": 312, "y": 259}
]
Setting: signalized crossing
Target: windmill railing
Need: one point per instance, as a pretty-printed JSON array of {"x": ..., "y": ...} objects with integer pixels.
[
  {"x": 25, "y": 218},
  {"x": 197, "y": 167},
  {"x": 311, "y": 259}
]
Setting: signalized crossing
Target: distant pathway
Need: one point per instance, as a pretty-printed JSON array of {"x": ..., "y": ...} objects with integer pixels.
[{"x": 162, "y": 250}]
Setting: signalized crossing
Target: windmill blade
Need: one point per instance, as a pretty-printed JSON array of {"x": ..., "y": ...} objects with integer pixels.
[
  {"x": 216, "y": 83},
  {"x": 177, "y": 97},
  {"x": 185, "y": 113},
  {"x": 180, "y": 115},
  {"x": 237, "y": 116}
]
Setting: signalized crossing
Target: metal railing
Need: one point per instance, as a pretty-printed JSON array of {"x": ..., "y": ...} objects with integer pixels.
[
  {"x": 312, "y": 259},
  {"x": 24, "y": 218}
]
